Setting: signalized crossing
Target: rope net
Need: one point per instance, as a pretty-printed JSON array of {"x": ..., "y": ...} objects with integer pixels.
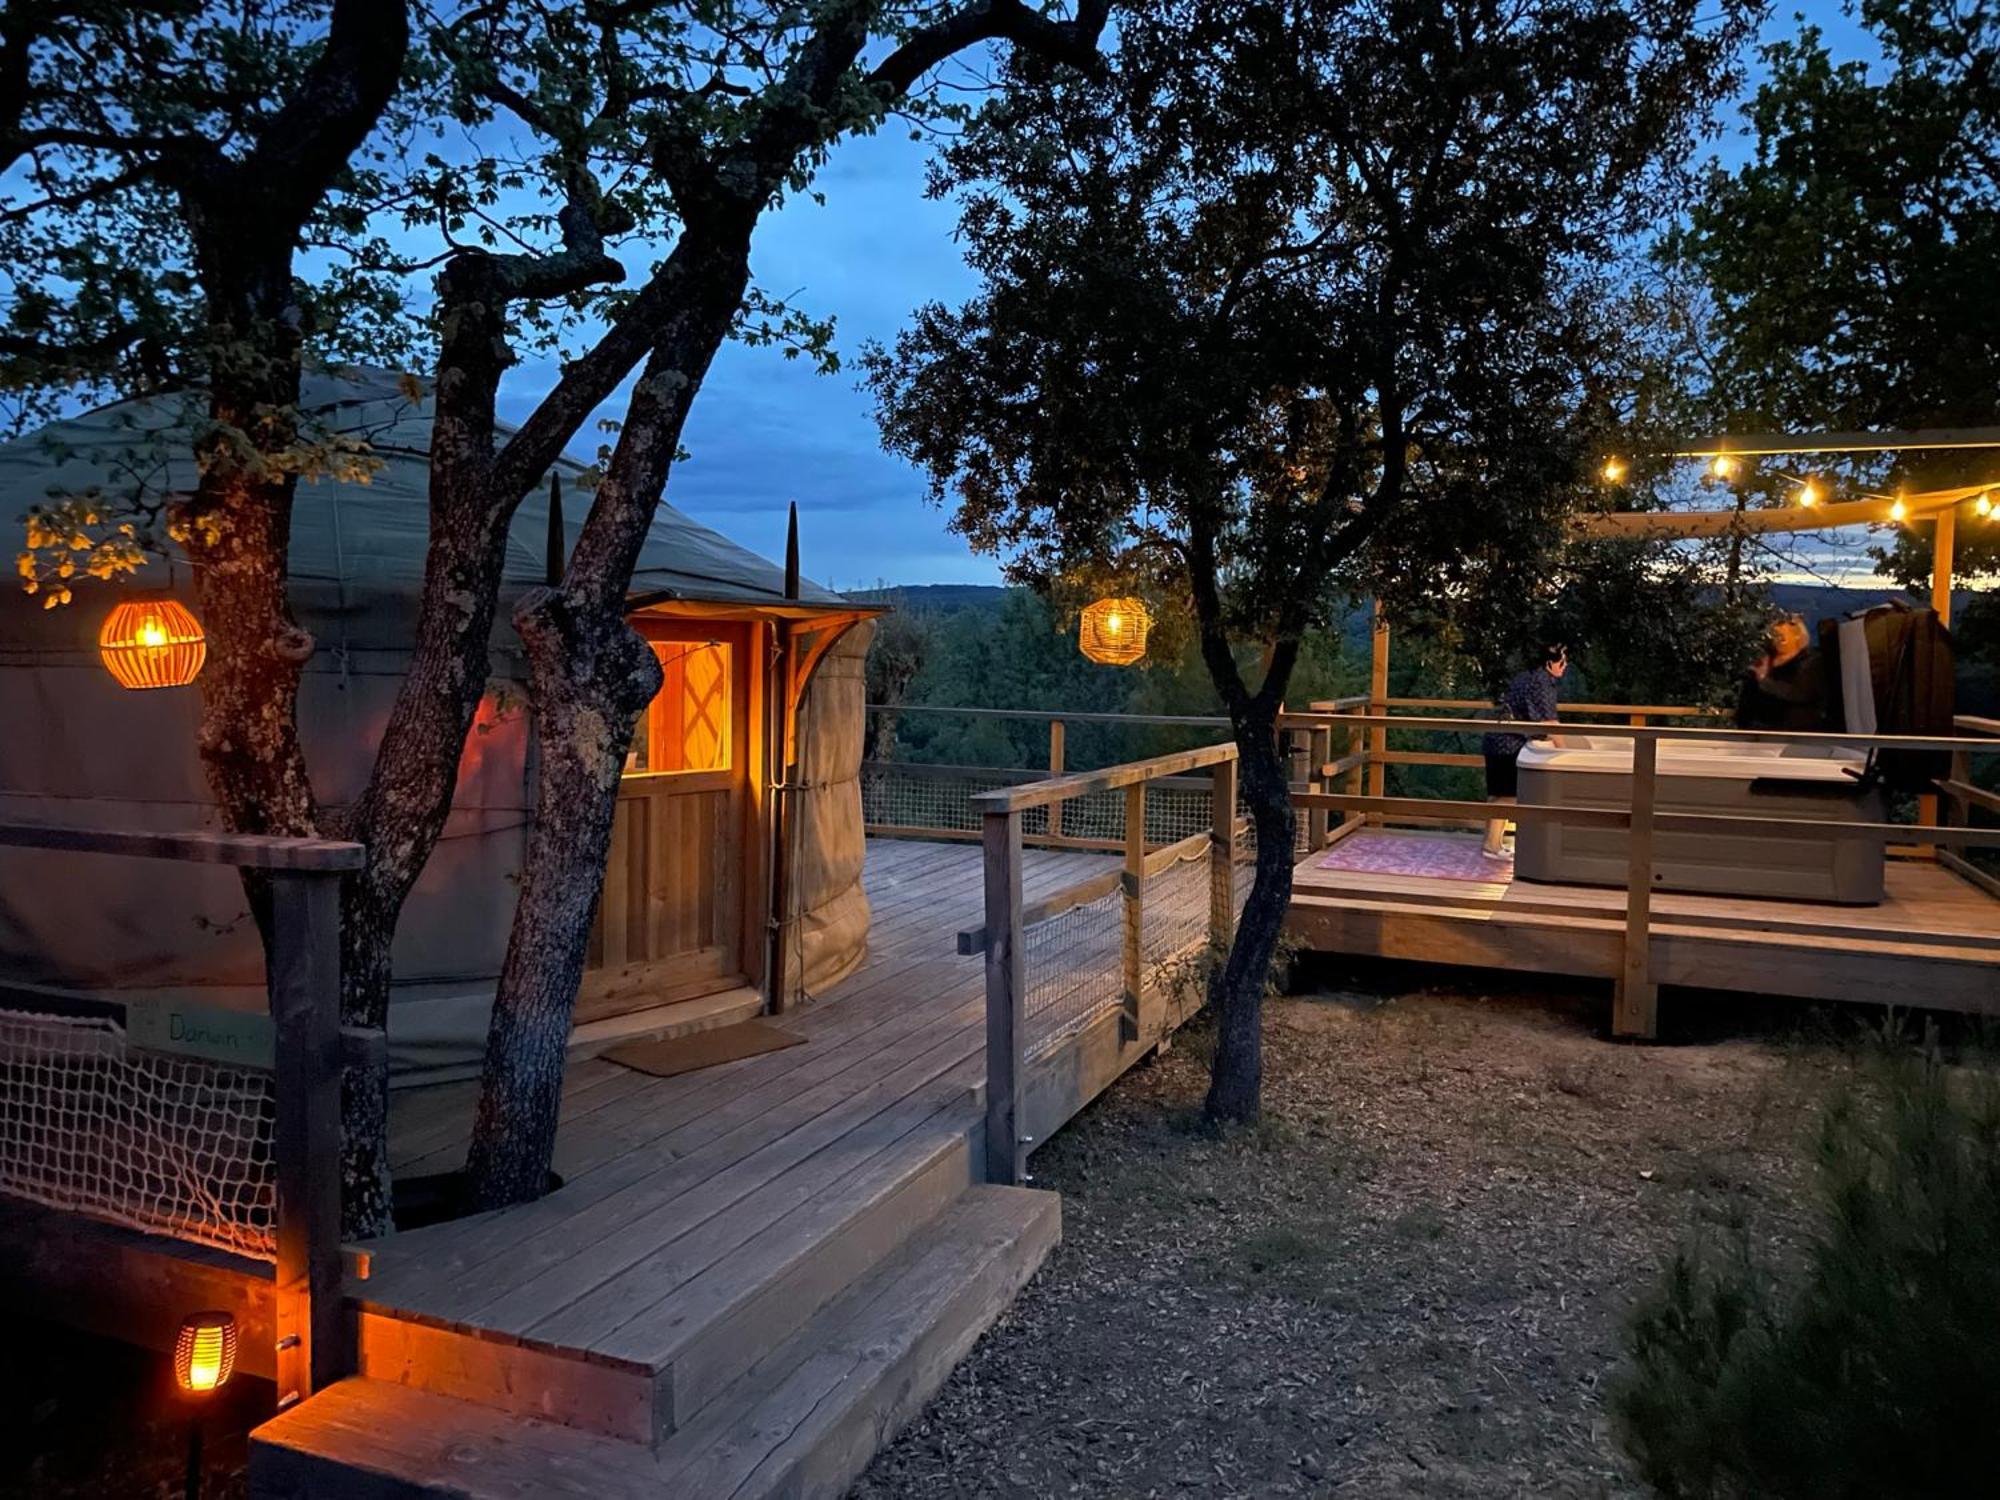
[{"x": 169, "y": 1145}]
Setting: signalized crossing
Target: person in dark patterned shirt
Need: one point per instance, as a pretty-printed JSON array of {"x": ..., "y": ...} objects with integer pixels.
[{"x": 1530, "y": 698}]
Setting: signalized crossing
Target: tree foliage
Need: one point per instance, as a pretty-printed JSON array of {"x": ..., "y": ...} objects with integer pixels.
[
  {"x": 1850, "y": 261},
  {"x": 1301, "y": 301}
]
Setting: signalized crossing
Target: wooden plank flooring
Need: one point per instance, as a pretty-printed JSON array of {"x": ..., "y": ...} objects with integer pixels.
[
  {"x": 673, "y": 1187},
  {"x": 1935, "y": 940}
]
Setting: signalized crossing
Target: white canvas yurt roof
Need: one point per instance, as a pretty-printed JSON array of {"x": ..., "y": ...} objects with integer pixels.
[
  {"x": 79, "y": 749},
  {"x": 367, "y": 541}
]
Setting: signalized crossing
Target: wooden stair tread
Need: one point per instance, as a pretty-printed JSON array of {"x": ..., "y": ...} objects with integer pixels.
[{"x": 801, "y": 1422}]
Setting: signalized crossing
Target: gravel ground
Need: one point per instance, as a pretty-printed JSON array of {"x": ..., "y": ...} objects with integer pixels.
[{"x": 1410, "y": 1280}]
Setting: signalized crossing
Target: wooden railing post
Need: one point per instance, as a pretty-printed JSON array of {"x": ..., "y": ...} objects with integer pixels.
[
  {"x": 1222, "y": 855},
  {"x": 1378, "y": 705},
  {"x": 1635, "y": 1000},
  {"x": 1056, "y": 752},
  {"x": 1320, "y": 751},
  {"x": 304, "y": 981},
  {"x": 1006, "y": 1002},
  {"x": 1133, "y": 884}
]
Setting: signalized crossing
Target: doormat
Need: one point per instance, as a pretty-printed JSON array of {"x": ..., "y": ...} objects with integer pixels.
[
  {"x": 666, "y": 1057},
  {"x": 1415, "y": 854}
]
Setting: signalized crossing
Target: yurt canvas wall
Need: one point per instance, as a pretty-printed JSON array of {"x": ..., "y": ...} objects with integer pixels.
[
  {"x": 828, "y": 937},
  {"x": 76, "y": 748}
]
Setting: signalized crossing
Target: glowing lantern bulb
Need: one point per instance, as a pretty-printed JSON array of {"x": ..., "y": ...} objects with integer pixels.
[
  {"x": 205, "y": 1351},
  {"x": 152, "y": 642},
  {"x": 1898, "y": 510},
  {"x": 1984, "y": 505},
  {"x": 1614, "y": 470},
  {"x": 1808, "y": 494},
  {"x": 1722, "y": 466},
  {"x": 1113, "y": 631}
]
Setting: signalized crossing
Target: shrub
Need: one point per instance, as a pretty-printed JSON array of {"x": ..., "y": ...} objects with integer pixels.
[{"x": 1868, "y": 1365}]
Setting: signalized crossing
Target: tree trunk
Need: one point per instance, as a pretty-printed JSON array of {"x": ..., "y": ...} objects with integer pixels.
[
  {"x": 1237, "y": 989},
  {"x": 590, "y": 676}
]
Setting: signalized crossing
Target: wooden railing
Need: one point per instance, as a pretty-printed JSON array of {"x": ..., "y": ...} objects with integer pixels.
[
  {"x": 1635, "y": 998},
  {"x": 303, "y": 982},
  {"x": 1032, "y": 1086},
  {"x": 1032, "y": 1090}
]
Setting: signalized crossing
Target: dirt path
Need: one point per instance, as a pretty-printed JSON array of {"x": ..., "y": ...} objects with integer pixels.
[{"x": 1410, "y": 1281}]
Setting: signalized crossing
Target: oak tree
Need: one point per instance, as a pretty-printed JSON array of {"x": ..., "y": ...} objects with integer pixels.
[{"x": 1298, "y": 302}]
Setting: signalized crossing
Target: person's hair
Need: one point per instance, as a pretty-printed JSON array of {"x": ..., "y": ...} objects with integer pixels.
[{"x": 1553, "y": 652}]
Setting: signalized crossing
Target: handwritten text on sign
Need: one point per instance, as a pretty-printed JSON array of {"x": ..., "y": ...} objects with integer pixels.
[{"x": 240, "y": 1037}]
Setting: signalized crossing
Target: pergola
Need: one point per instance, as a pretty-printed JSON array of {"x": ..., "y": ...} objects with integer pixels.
[{"x": 1937, "y": 507}]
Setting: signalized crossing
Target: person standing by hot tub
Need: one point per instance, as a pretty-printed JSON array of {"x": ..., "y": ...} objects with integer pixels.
[
  {"x": 1530, "y": 698},
  {"x": 1786, "y": 687}
]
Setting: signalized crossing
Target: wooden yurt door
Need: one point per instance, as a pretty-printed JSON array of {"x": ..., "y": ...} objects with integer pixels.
[{"x": 672, "y": 921}]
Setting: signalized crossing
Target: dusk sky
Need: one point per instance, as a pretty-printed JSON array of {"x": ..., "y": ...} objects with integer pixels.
[{"x": 767, "y": 430}]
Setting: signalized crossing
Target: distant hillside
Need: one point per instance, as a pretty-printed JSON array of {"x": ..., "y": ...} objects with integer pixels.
[
  {"x": 936, "y": 598},
  {"x": 1815, "y": 601}
]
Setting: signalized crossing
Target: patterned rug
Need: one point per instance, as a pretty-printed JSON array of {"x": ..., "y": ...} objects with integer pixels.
[{"x": 1415, "y": 854}]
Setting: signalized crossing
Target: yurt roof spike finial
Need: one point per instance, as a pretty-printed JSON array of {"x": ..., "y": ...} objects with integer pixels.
[{"x": 1113, "y": 631}]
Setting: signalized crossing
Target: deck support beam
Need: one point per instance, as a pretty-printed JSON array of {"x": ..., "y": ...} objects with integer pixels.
[
  {"x": 1006, "y": 1002},
  {"x": 1222, "y": 857},
  {"x": 1132, "y": 882},
  {"x": 1635, "y": 1002},
  {"x": 305, "y": 1009}
]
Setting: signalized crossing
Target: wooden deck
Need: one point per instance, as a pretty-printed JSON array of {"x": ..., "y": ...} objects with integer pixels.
[
  {"x": 1935, "y": 941},
  {"x": 712, "y": 1233}
]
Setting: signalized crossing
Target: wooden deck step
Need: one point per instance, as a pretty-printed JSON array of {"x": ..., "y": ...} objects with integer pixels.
[
  {"x": 724, "y": 1305},
  {"x": 802, "y": 1422}
]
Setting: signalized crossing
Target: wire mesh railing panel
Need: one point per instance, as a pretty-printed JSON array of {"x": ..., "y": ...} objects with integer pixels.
[
  {"x": 170, "y": 1145},
  {"x": 934, "y": 802},
  {"x": 1074, "y": 963},
  {"x": 1174, "y": 911}
]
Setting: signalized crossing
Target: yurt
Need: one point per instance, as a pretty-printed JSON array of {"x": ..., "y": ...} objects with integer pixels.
[{"x": 762, "y": 705}]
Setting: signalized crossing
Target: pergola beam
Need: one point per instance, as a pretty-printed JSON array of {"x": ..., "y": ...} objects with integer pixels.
[
  {"x": 1756, "y": 444},
  {"x": 1636, "y": 525}
]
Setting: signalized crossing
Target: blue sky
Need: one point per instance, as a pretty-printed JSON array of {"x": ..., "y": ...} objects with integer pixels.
[{"x": 766, "y": 430}]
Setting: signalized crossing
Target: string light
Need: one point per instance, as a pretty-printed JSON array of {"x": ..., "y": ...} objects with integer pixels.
[
  {"x": 1722, "y": 466},
  {"x": 1614, "y": 470},
  {"x": 1808, "y": 494},
  {"x": 1898, "y": 510},
  {"x": 1984, "y": 504}
]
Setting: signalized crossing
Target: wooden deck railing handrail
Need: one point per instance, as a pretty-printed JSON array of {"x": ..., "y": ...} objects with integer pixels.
[
  {"x": 249, "y": 851},
  {"x": 1652, "y": 732},
  {"x": 1111, "y": 778},
  {"x": 1003, "y": 937},
  {"x": 1069, "y": 716},
  {"x": 1449, "y": 809},
  {"x": 1650, "y": 710},
  {"x": 303, "y": 983}
]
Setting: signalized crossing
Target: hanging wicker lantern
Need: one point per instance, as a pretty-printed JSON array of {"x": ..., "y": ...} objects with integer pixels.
[
  {"x": 1113, "y": 631},
  {"x": 152, "y": 642}
]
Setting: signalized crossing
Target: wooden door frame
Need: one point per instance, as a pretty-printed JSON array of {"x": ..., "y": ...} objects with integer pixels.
[{"x": 747, "y": 639}]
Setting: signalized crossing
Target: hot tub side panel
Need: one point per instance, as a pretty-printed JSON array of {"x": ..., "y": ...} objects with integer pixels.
[{"x": 1820, "y": 865}]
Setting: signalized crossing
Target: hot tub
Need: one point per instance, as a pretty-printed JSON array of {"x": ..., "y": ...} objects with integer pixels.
[{"x": 1697, "y": 776}]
